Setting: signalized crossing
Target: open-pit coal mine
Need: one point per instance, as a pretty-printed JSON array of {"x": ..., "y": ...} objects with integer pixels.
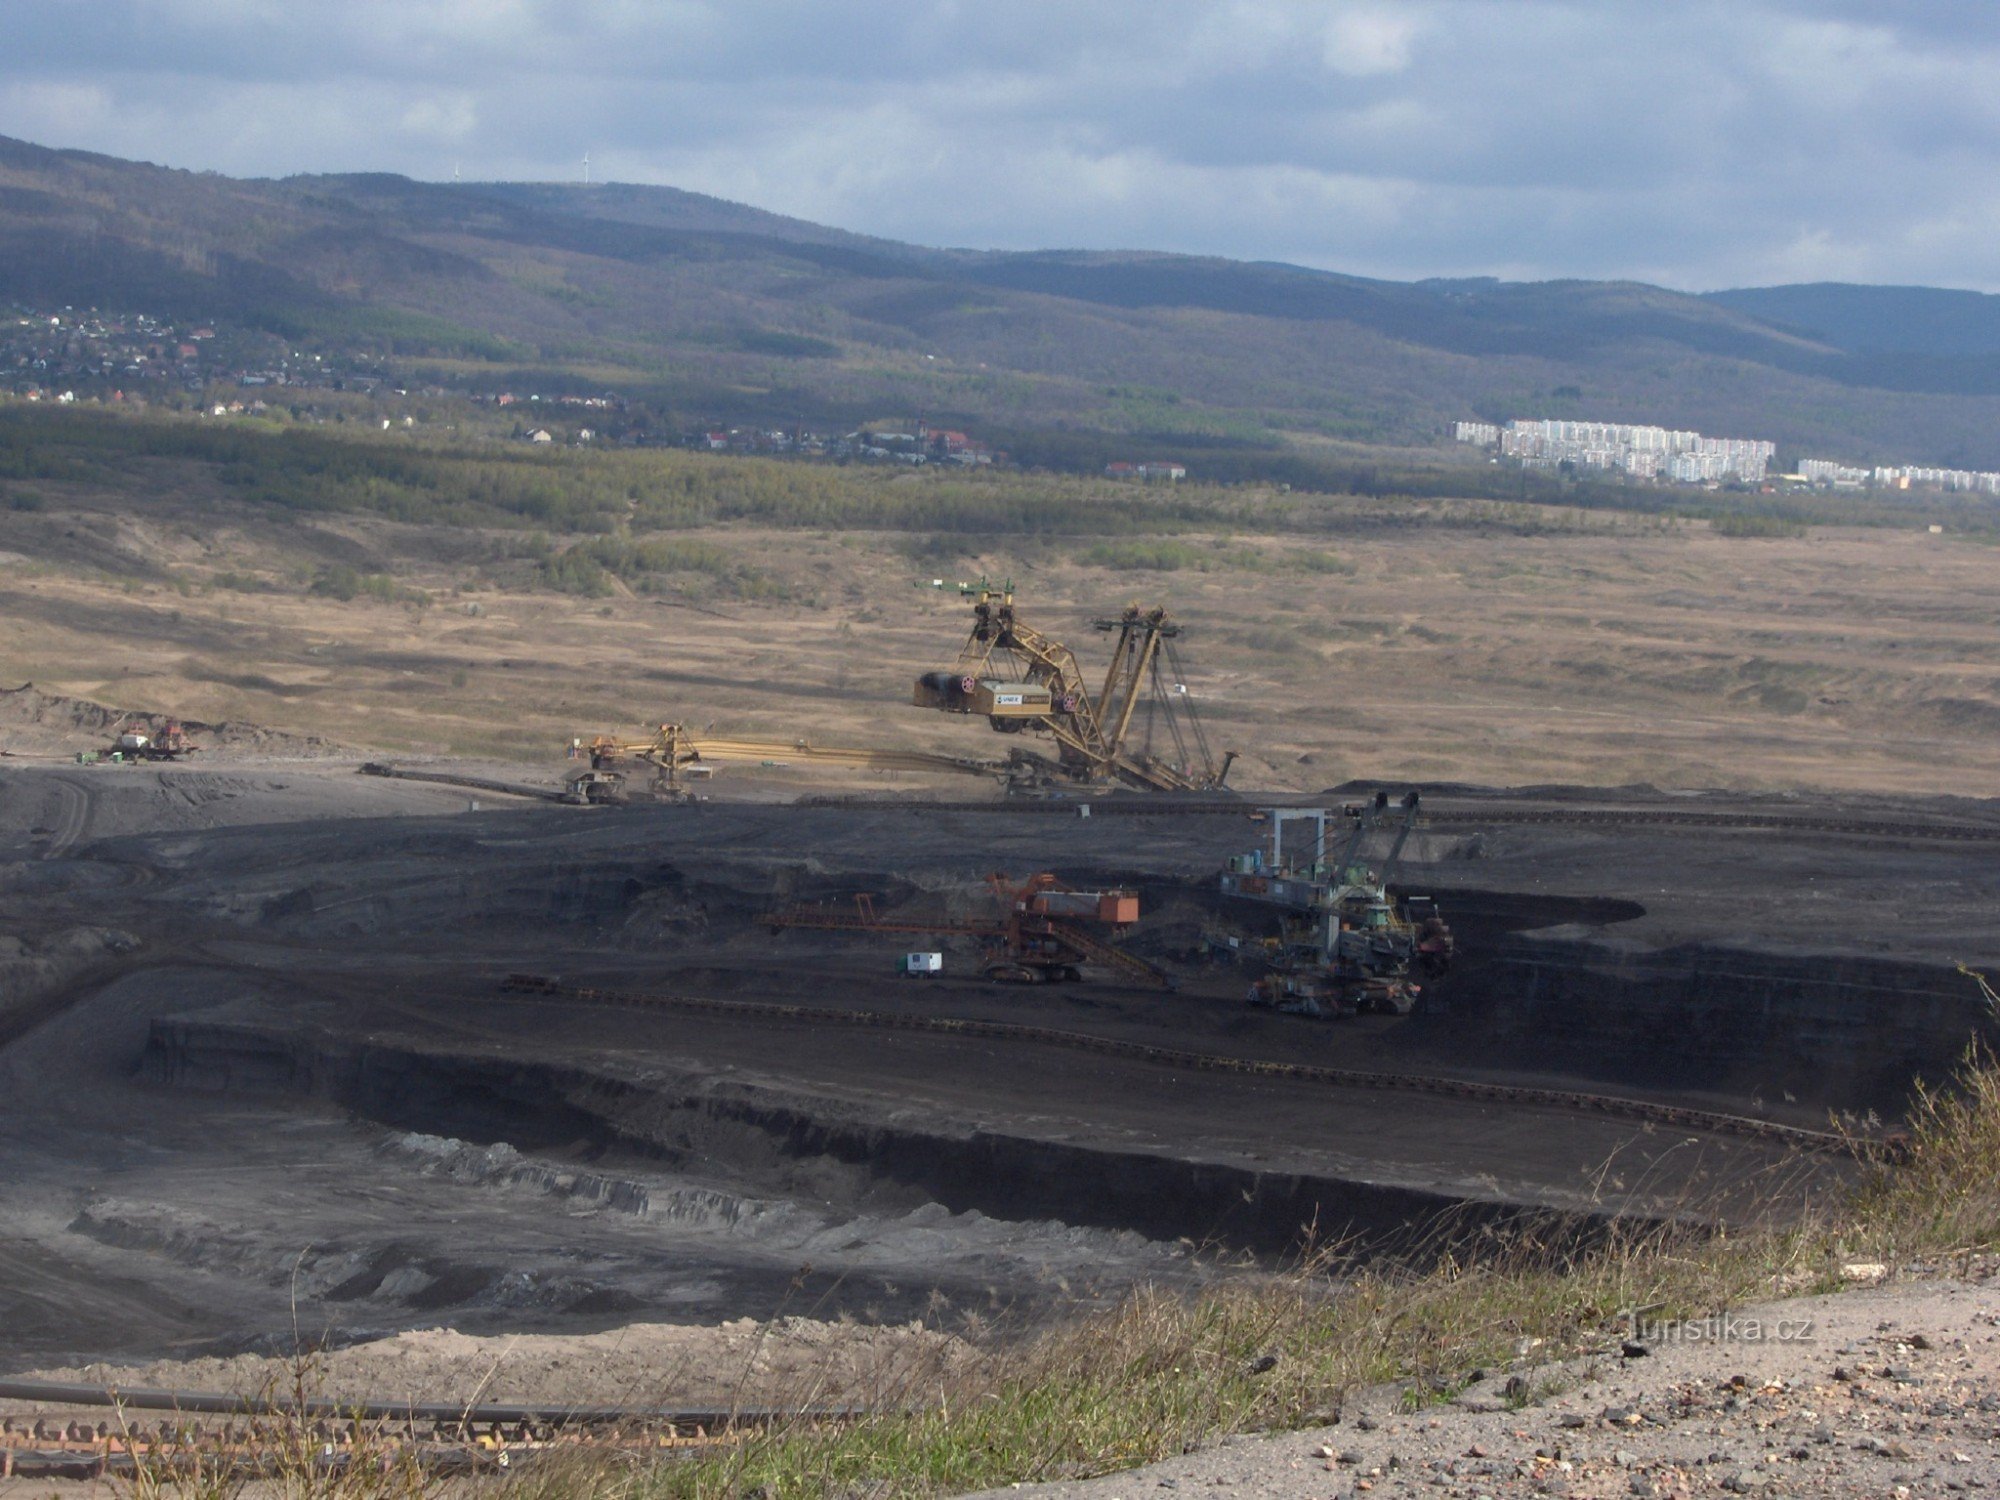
[{"x": 279, "y": 1041}]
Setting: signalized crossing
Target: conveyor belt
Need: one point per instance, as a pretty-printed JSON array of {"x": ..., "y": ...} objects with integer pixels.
[
  {"x": 477, "y": 783},
  {"x": 1437, "y": 816}
]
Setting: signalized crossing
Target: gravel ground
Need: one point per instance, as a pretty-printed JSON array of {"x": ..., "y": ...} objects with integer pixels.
[{"x": 1888, "y": 1391}]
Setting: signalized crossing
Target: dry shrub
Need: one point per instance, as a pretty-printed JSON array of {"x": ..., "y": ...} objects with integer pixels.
[{"x": 1938, "y": 1191}]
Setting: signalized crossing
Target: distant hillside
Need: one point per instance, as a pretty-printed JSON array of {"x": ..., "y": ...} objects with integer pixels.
[
  {"x": 1877, "y": 319},
  {"x": 1912, "y": 338},
  {"x": 713, "y": 310},
  {"x": 672, "y": 208}
]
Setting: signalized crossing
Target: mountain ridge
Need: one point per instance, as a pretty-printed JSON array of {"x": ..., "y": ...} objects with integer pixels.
[{"x": 702, "y": 305}]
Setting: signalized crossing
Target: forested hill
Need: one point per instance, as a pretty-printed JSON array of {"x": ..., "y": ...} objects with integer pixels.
[{"x": 704, "y": 306}]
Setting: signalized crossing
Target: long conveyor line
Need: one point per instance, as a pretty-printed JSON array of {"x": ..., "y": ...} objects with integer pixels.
[
  {"x": 1640, "y": 1110},
  {"x": 1672, "y": 818},
  {"x": 1134, "y": 806},
  {"x": 476, "y": 783},
  {"x": 1436, "y": 816}
]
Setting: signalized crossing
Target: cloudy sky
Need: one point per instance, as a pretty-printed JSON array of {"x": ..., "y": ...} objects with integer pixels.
[{"x": 1694, "y": 144}]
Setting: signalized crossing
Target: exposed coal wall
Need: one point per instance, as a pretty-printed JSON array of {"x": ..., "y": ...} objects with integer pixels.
[
  {"x": 785, "y": 1143},
  {"x": 1831, "y": 1032}
]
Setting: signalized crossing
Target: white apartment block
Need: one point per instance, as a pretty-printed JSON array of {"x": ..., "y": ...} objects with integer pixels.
[
  {"x": 1687, "y": 457},
  {"x": 1980, "y": 482},
  {"x": 1838, "y": 475},
  {"x": 1829, "y": 471}
]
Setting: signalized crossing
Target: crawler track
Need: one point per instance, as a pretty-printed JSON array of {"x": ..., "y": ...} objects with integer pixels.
[
  {"x": 74, "y": 823},
  {"x": 1639, "y": 1110}
]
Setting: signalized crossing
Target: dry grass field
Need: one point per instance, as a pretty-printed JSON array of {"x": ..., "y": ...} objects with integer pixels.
[{"x": 1465, "y": 641}]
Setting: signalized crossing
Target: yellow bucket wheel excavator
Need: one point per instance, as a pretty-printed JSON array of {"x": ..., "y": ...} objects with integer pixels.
[{"x": 1140, "y": 728}]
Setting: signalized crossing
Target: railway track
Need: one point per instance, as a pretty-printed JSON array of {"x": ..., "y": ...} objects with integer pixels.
[
  {"x": 1604, "y": 1105},
  {"x": 215, "y": 1433},
  {"x": 1466, "y": 817}
]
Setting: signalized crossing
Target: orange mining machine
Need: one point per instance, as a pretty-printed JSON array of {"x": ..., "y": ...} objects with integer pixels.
[
  {"x": 1042, "y": 936},
  {"x": 139, "y": 740}
]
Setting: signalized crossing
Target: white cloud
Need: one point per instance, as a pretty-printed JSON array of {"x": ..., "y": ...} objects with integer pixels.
[
  {"x": 444, "y": 117},
  {"x": 57, "y": 111},
  {"x": 1364, "y": 40}
]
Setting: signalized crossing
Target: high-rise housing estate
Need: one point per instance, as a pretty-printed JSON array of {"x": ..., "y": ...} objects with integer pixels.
[
  {"x": 1642, "y": 451},
  {"x": 1683, "y": 457},
  {"x": 1837, "y": 475}
]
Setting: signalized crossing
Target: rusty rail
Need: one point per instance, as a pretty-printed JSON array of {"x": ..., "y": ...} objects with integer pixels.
[
  {"x": 77, "y": 1450},
  {"x": 1607, "y": 1105},
  {"x": 327, "y": 1433},
  {"x": 215, "y": 1403}
]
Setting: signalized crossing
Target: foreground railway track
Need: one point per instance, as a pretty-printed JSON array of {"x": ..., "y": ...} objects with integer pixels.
[
  {"x": 1641, "y": 1111},
  {"x": 214, "y": 1433}
]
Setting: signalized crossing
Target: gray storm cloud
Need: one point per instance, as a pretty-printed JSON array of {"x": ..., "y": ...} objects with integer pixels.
[{"x": 1697, "y": 145}]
